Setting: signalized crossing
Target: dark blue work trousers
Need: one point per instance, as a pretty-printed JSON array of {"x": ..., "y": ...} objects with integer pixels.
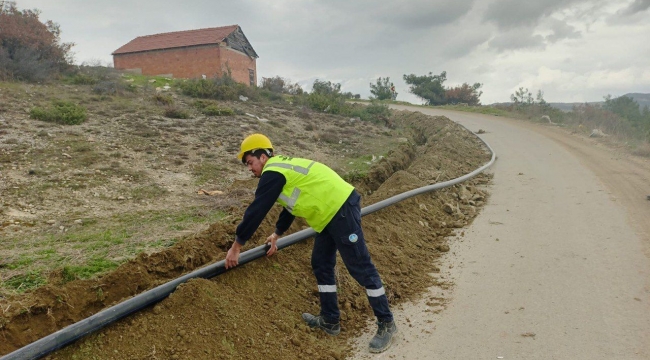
[{"x": 344, "y": 233}]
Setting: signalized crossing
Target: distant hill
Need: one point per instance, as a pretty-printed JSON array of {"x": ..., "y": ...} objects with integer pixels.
[{"x": 641, "y": 99}]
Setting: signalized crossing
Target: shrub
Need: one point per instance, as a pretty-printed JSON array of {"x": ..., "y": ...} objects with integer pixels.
[
  {"x": 111, "y": 87},
  {"x": 163, "y": 99},
  {"x": 201, "y": 104},
  {"x": 464, "y": 94},
  {"x": 374, "y": 112},
  {"x": 176, "y": 113},
  {"x": 326, "y": 87},
  {"x": 92, "y": 75},
  {"x": 214, "y": 110},
  {"x": 326, "y": 102},
  {"x": 61, "y": 112},
  {"x": 25, "y": 65},
  {"x": 272, "y": 96},
  {"x": 211, "y": 108},
  {"x": 209, "y": 89},
  {"x": 281, "y": 86},
  {"x": 328, "y": 137},
  {"x": 83, "y": 79}
]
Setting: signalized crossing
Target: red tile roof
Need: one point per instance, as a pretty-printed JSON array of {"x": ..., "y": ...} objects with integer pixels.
[{"x": 177, "y": 39}]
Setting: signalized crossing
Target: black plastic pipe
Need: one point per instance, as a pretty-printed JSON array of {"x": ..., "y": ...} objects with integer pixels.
[{"x": 105, "y": 317}]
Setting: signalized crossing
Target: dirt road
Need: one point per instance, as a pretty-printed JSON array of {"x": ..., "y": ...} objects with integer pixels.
[{"x": 556, "y": 266}]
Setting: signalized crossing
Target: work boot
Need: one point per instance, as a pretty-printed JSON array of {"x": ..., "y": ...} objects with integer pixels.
[
  {"x": 319, "y": 322},
  {"x": 384, "y": 337}
]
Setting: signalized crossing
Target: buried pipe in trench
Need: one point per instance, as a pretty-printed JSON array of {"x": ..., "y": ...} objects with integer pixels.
[{"x": 105, "y": 317}]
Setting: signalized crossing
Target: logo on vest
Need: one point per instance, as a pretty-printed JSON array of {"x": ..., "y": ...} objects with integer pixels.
[{"x": 353, "y": 238}]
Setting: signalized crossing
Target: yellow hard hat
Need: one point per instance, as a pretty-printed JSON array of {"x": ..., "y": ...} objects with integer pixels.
[{"x": 254, "y": 142}]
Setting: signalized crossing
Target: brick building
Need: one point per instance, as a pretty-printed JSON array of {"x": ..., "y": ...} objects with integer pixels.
[{"x": 191, "y": 54}]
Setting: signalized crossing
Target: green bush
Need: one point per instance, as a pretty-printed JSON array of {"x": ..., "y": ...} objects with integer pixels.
[
  {"x": 374, "y": 112},
  {"x": 271, "y": 95},
  {"x": 91, "y": 75},
  {"x": 176, "y": 113},
  {"x": 83, "y": 79},
  {"x": 332, "y": 104},
  {"x": 211, "y": 108},
  {"x": 280, "y": 86},
  {"x": 218, "y": 88},
  {"x": 163, "y": 99},
  {"x": 209, "y": 89},
  {"x": 214, "y": 110},
  {"x": 202, "y": 104},
  {"x": 111, "y": 87},
  {"x": 61, "y": 112}
]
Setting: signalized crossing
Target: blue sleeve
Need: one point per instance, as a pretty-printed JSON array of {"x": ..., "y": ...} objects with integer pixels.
[
  {"x": 268, "y": 190},
  {"x": 284, "y": 221}
]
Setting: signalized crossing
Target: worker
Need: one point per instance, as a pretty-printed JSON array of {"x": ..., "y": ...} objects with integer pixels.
[{"x": 331, "y": 206}]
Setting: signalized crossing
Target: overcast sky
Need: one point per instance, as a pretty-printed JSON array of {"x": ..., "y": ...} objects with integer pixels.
[{"x": 572, "y": 50}]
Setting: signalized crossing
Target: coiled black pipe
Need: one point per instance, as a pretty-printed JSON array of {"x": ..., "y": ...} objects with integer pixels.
[{"x": 105, "y": 317}]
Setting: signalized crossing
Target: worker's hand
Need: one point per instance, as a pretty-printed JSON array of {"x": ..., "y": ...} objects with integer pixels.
[
  {"x": 232, "y": 259},
  {"x": 272, "y": 240}
]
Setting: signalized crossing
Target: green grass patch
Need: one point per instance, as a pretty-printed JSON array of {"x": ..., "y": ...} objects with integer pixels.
[
  {"x": 211, "y": 108},
  {"x": 92, "y": 268},
  {"x": 24, "y": 282},
  {"x": 214, "y": 110},
  {"x": 98, "y": 245},
  {"x": 23, "y": 261},
  {"x": 144, "y": 80},
  {"x": 60, "y": 112}
]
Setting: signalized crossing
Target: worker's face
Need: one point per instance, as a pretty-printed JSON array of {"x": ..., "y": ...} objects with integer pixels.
[{"x": 256, "y": 165}]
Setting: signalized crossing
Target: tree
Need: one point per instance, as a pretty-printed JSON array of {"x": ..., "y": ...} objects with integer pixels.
[
  {"x": 624, "y": 107},
  {"x": 428, "y": 87},
  {"x": 326, "y": 88},
  {"x": 522, "y": 97},
  {"x": 382, "y": 90},
  {"x": 281, "y": 86},
  {"x": 464, "y": 94},
  {"x": 29, "y": 49}
]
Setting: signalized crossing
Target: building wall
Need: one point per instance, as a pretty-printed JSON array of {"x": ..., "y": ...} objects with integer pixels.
[
  {"x": 191, "y": 62},
  {"x": 240, "y": 64}
]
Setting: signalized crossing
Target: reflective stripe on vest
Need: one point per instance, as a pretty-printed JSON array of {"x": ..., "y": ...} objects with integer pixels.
[
  {"x": 291, "y": 201},
  {"x": 296, "y": 168}
]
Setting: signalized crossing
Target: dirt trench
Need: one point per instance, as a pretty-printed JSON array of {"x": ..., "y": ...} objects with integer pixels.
[{"x": 255, "y": 310}]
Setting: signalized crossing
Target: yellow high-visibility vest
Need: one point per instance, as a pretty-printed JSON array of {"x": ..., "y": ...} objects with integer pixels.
[{"x": 313, "y": 191}]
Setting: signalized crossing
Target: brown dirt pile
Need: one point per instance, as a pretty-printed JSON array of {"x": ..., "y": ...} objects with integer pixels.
[{"x": 254, "y": 311}]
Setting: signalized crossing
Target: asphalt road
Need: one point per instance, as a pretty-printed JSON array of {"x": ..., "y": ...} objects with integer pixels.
[{"x": 556, "y": 266}]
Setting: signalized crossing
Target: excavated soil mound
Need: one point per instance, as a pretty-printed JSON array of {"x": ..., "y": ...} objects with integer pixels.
[{"x": 254, "y": 311}]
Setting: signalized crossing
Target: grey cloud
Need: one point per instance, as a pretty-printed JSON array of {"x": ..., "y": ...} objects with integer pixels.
[
  {"x": 635, "y": 7},
  {"x": 515, "y": 40},
  {"x": 561, "y": 31},
  {"x": 508, "y": 14},
  {"x": 424, "y": 14},
  {"x": 462, "y": 44}
]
